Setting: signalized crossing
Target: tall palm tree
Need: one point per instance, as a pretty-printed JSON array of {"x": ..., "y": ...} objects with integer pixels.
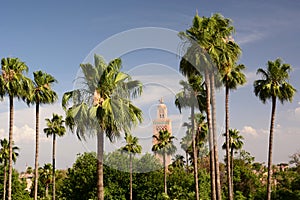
[
  {"x": 103, "y": 106},
  {"x": 41, "y": 93},
  {"x": 55, "y": 128},
  {"x": 132, "y": 147},
  {"x": 205, "y": 39},
  {"x": 15, "y": 85},
  {"x": 191, "y": 95},
  {"x": 46, "y": 176},
  {"x": 164, "y": 146},
  {"x": 231, "y": 76},
  {"x": 4, "y": 157},
  {"x": 273, "y": 85}
]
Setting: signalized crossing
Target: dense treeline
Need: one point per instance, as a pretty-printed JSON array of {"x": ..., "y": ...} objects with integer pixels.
[{"x": 80, "y": 181}]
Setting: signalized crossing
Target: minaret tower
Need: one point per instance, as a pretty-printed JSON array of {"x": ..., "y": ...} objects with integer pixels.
[{"x": 162, "y": 122}]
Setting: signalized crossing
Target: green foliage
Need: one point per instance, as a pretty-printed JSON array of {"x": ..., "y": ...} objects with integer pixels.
[
  {"x": 180, "y": 184},
  {"x": 246, "y": 182},
  {"x": 81, "y": 180},
  {"x": 18, "y": 186}
]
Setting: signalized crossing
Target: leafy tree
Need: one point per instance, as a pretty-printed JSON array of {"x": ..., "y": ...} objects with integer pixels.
[
  {"x": 14, "y": 84},
  {"x": 295, "y": 159},
  {"x": 81, "y": 180},
  {"x": 246, "y": 183},
  {"x": 55, "y": 128},
  {"x": 41, "y": 93},
  {"x": 181, "y": 184},
  {"x": 103, "y": 106},
  {"x": 4, "y": 157},
  {"x": 60, "y": 177},
  {"x": 164, "y": 146},
  {"x": 273, "y": 85},
  {"x": 18, "y": 186},
  {"x": 132, "y": 147}
]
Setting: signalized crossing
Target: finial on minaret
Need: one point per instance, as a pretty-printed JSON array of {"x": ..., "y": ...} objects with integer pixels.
[
  {"x": 161, "y": 101},
  {"x": 196, "y": 11}
]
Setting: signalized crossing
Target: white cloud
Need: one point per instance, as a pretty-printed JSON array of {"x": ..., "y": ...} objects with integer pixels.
[
  {"x": 26, "y": 134},
  {"x": 249, "y": 37},
  {"x": 297, "y": 112},
  {"x": 249, "y": 130},
  {"x": 2, "y": 133},
  {"x": 251, "y": 77}
]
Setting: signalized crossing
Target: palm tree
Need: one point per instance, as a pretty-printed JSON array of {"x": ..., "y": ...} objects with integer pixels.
[
  {"x": 164, "y": 146},
  {"x": 205, "y": 39},
  {"x": 55, "y": 128},
  {"x": 192, "y": 95},
  {"x": 41, "y": 94},
  {"x": 231, "y": 76},
  {"x": 14, "y": 84},
  {"x": 178, "y": 161},
  {"x": 273, "y": 85},
  {"x": 235, "y": 143},
  {"x": 4, "y": 157},
  {"x": 185, "y": 145},
  {"x": 46, "y": 176},
  {"x": 132, "y": 147},
  {"x": 103, "y": 105}
]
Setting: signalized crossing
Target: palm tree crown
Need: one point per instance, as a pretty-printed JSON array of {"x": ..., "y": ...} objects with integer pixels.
[
  {"x": 132, "y": 145},
  {"x": 4, "y": 151},
  {"x": 104, "y": 100},
  {"x": 274, "y": 82},
  {"x": 55, "y": 126},
  {"x": 13, "y": 81},
  {"x": 164, "y": 143},
  {"x": 42, "y": 92}
]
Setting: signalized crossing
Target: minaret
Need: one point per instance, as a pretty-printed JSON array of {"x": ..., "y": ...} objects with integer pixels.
[{"x": 162, "y": 122}]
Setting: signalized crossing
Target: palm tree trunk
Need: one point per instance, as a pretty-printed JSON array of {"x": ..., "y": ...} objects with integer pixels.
[
  {"x": 194, "y": 153},
  {"x": 36, "y": 173},
  {"x": 5, "y": 179},
  {"x": 212, "y": 157},
  {"x": 165, "y": 173},
  {"x": 187, "y": 160},
  {"x": 228, "y": 156},
  {"x": 130, "y": 168},
  {"x": 11, "y": 120},
  {"x": 100, "y": 186},
  {"x": 47, "y": 190},
  {"x": 269, "y": 182},
  {"x": 53, "y": 167},
  {"x": 214, "y": 125},
  {"x": 231, "y": 165}
]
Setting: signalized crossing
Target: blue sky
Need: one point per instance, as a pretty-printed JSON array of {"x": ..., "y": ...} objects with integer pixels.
[{"x": 57, "y": 36}]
